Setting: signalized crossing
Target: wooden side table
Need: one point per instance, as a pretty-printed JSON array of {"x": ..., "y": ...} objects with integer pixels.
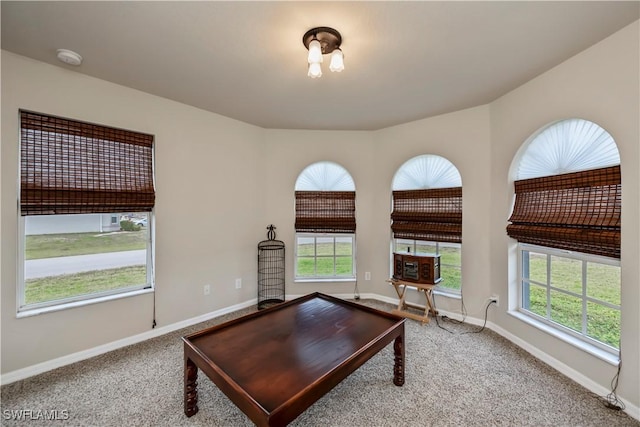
[{"x": 402, "y": 310}]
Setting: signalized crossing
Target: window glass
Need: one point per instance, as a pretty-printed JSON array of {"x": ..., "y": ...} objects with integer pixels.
[
  {"x": 537, "y": 267},
  {"x": 581, "y": 295},
  {"x": 325, "y": 256},
  {"x": 603, "y": 282},
  {"x": 566, "y": 274},
  {"x": 75, "y": 257},
  {"x": 404, "y": 246}
]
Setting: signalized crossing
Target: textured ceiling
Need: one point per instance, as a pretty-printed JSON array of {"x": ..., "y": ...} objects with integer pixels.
[{"x": 245, "y": 60}]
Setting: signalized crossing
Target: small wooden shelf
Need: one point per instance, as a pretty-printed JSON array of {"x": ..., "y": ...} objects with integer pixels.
[{"x": 403, "y": 306}]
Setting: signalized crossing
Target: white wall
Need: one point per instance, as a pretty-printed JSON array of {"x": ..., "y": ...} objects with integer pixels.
[
  {"x": 221, "y": 182},
  {"x": 209, "y": 206},
  {"x": 600, "y": 85}
]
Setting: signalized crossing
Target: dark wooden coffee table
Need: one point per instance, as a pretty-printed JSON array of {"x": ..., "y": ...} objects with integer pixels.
[{"x": 274, "y": 364}]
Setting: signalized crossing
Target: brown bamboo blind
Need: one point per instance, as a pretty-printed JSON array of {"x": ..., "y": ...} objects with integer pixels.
[
  {"x": 578, "y": 211},
  {"x": 428, "y": 214},
  {"x": 71, "y": 167},
  {"x": 325, "y": 211}
]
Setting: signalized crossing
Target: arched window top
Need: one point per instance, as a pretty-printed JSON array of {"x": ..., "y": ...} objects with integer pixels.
[
  {"x": 426, "y": 171},
  {"x": 568, "y": 146},
  {"x": 325, "y": 176}
]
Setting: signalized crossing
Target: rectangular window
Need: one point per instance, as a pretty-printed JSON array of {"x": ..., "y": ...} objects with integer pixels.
[
  {"x": 69, "y": 258},
  {"x": 325, "y": 256},
  {"x": 86, "y": 200},
  {"x": 450, "y": 259},
  {"x": 576, "y": 293}
]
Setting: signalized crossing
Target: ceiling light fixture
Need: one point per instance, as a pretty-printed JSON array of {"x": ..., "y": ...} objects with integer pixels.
[{"x": 323, "y": 41}]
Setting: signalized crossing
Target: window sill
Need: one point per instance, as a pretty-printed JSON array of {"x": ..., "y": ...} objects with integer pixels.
[
  {"x": 612, "y": 359},
  {"x": 326, "y": 280},
  {"x": 50, "y": 309},
  {"x": 447, "y": 294},
  {"x": 440, "y": 292}
]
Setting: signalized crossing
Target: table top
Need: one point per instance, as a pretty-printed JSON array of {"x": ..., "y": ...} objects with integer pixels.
[{"x": 276, "y": 356}]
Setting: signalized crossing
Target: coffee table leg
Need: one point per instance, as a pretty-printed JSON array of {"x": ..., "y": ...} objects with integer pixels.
[
  {"x": 398, "y": 367},
  {"x": 190, "y": 388}
]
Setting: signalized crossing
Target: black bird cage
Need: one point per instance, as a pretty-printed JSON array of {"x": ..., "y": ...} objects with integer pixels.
[{"x": 270, "y": 270}]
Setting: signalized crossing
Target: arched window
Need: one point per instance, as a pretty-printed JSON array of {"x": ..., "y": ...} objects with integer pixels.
[
  {"x": 570, "y": 145},
  {"x": 325, "y": 223},
  {"x": 566, "y": 219},
  {"x": 427, "y": 214}
]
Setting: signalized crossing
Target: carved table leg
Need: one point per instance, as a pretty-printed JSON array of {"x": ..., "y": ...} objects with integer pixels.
[
  {"x": 190, "y": 388},
  {"x": 398, "y": 367}
]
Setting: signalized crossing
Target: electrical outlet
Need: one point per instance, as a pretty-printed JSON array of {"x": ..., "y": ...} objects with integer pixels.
[
  {"x": 207, "y": 289},
  {"x": 494, "y": 298},
  {"x": 238, "y": 283},
  {"x": 367, "y": 275}
]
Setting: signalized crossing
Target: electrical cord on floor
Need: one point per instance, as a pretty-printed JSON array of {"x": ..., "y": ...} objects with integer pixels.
[
  {"x": 486, "y": 312},
  {"x": 463, "y": 311},
  {"x": 611, "y": 400},
  {"x": 356, "y": 292},
  {"x": 436, "y": 316}
]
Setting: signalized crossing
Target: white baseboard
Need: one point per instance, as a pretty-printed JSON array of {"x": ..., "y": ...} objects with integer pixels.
[
  {"x": 20, "y": 374},
  {"x": 59, "y": 362},
  {"x": 632, "y": 410}
]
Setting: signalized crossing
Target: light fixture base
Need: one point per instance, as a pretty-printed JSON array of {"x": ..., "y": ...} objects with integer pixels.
[{"x": 329, "y": 38}]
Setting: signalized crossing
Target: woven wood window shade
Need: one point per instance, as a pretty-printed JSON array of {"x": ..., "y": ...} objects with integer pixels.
[
  {"x": 325, "y": 211},
  {"x": 577, "y": 211},
  {"x": 428, "y": 214},
  {"x": 70, "y": 167}
]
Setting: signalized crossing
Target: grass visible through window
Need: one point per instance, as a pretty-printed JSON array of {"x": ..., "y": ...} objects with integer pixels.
[
  {"x": 69, "y": 285},
  {"x": 53, "y": 288},
  {"x": 323, "y": 265},
  {"x": 603, "y": 284}
]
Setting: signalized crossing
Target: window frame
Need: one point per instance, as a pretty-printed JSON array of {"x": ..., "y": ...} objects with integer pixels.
[
  {"x": 439, "y": 289},
  {"x": 564, "y": 332},
  {"x": 322, "y": 278},
  {"x": 92, "y": 202},
  {"x": 24, "y": 310}
]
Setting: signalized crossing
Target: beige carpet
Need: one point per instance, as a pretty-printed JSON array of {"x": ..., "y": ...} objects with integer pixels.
[{"x": 457, "y": 378}]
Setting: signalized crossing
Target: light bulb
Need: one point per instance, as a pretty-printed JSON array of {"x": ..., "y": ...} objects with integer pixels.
[
  {"x": 337, "y": 61},
  {"x": 314, "y": 70},
  {"x": 315, "y": 52}
]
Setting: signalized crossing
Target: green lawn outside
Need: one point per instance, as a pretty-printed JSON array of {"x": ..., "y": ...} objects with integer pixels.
[
  {"x": 325, "y": 266},
  {"x": 603, "y": 283},
  {"x": 325, "y": 260},
  {"x": 450, "y": 268},
  {"x": 59, "y": 245},
  {"x": 56, "y": 245},
  {"x": 58, "y": 287}
]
